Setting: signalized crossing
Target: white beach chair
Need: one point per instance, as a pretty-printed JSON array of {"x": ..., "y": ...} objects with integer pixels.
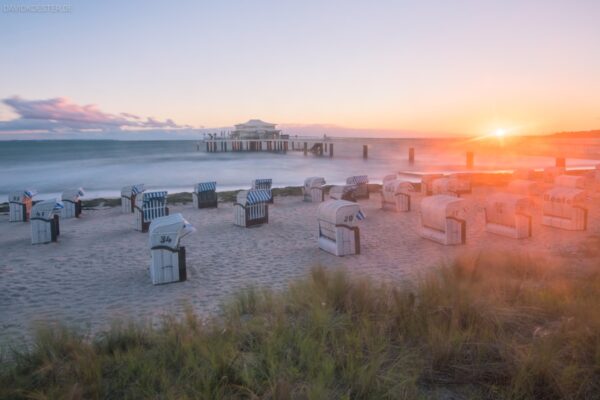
[
  {"x": 426, "y": 183},
  {"x": 19, "y": 205},
  {"x": 395, "y": 195},
  {"x": 389, "y": 178},
  {"x": 128, "y": 195},
  {"x": 564, "y": 208},
  {"x": 251, "y": 208},
  {"x": 168, "y": 262},
  {"x": 570, "y": 181},
  {"x": 509, "y": 215},
  {"x": 443, "y": 219},
  {"x": 72, "y": 203},
  {"x": 338, "y": 230},
  {"x": 45, "y": 226},
  {"x": 314, "y": 189},
  {"x": 361, "y": 182},
  {"x": 264, "y": 184},
  {"x": 205, "y": 195},
  {"x": 524, "y": 187},
  {"x": 149, "y": 206}
]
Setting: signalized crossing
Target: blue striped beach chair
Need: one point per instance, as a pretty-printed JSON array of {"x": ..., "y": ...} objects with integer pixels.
[
  {"x": 264, "y": 184},
  {"x": 128, "y": 195},
  {"x": 148, "y": 206},
  {"x": 362, "y": 186},
  {"x": 251, "y": 208},
  {"x": 205, "y": 195}
]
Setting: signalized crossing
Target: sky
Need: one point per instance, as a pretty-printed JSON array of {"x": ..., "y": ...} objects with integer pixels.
[{"x": 391, "y": 68}]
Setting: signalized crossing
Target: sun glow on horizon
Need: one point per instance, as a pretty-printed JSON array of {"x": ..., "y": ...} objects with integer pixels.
[{"x": 500, "y": 133}]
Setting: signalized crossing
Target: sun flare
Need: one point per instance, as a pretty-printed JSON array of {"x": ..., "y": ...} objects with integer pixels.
[{"x": 500, "y": 132}]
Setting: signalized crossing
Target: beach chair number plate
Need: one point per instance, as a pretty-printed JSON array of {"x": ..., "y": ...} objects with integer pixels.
[{"x": 165, "y": 239}]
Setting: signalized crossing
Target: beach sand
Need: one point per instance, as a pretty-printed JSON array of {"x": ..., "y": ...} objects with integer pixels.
[{"x": 98, "y": 270}]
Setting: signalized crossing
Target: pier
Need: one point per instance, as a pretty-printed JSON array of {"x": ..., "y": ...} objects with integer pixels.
[{"x": 318, "y": 147}]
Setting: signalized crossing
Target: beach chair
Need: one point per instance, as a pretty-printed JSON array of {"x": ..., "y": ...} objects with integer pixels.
[
  {"x": 338, "y": 230},
  {"x": 448, "y": 186},
  {"x": 570, "y": 181},
  {"x": 45, "y": 226},
  {"x": 343, "y": 192},
  {"x": 205, "y": 195},
  {"x": 72, "y": 203},
  {"x": 564, "y": 208},
  {"x": 550, "y": 173},
  {"x": 426, "y": 183},
  {"x": 251, "y": 208},
  {"x": 149, "y": 206},
  {"x": 19, "y": 205},
  {"x": 168, "y": 261},
  {"x": 443, "y": 219},
  {"x": 395, "y": 195},
  {"x": 128, "y": 195},
  {"x": 508, "y": 215},
  {"x": 314, "y": 189},
  {"x": 524, "y": 187},
  {"x": 461, "y": 183},
  {"x": 361, "y": 182},
  {"x": 264, "y": 184}
]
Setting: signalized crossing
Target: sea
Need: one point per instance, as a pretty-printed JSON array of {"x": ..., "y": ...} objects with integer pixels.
[{"x": 102, "y": 167}]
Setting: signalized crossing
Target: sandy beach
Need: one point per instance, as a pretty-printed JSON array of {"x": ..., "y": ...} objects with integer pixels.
[{"x": 98, "y": 270}]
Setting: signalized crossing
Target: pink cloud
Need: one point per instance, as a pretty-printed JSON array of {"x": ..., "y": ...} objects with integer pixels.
[{"x": 59, "y": 114}]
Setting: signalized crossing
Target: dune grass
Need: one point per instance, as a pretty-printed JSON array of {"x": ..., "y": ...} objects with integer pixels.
[{"x": 489, "y": 328}]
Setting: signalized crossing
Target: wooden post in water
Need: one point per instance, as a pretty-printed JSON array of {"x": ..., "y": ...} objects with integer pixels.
[
  {"x": 365, "y": 151},
  {"x": 305, "y": 148},
  {"x": 330, "y": 150},
  {"x": 560, "y": 162},
  {"x": 411, "y": 155},
  {"x": 470, "y": 159}
]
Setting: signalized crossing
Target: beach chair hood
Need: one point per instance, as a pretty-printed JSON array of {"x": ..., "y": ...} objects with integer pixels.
[
  {"x": 570, "y": 181},
  {"x": 21, "y": 195},
  {"x": 398, "y": 186},
  {"x": 500, "y": 206},
  {"x": 314, "y": 182},
  {"x": 205, "y": 187},
  {"x": 565, "y": 195},
  {"x": 46, "y": 209},
  {"x": 357, "y": 180},
  {"x": 132, "y": 189},
  {"x": 389, "y": 178},
  {"x": 168, "y": 231},
  {"x": 72, "y": 195},
  {"x": 340, "y": 212},
  {"x": 253, "y": 196},
  {"x": 436, "y": 209}
]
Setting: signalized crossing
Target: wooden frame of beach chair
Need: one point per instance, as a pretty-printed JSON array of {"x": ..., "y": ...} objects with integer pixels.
[
  {"x": 508, "y": 215},
  {"x": 205, "y": 195},
  {"x": 361, "y": 182},
  {"x": 72, "y": 203},
  {"x": 148, "y": 206},
  {"x": 443, "y": 219},
  {"x": 264, "y": 184},
  {"x": 168, "y": 258},
  {"x": 426, "y": 182},
  {"x": 45, "y": 222},
  {"x": 128, "y": 196},
  {"x": 564, "y": 208},
  {"x": 395, "y": 195},
  {"x": 19, "y": 205},
  {"x": 338, "y": 233},
  {"x": 343, "y": 192},
  {"x": 314, "y": 189},
  {"x": 251, "y": 208}
]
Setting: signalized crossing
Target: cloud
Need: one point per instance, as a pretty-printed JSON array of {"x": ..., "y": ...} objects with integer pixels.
[{"x": 60, "y": 115}]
